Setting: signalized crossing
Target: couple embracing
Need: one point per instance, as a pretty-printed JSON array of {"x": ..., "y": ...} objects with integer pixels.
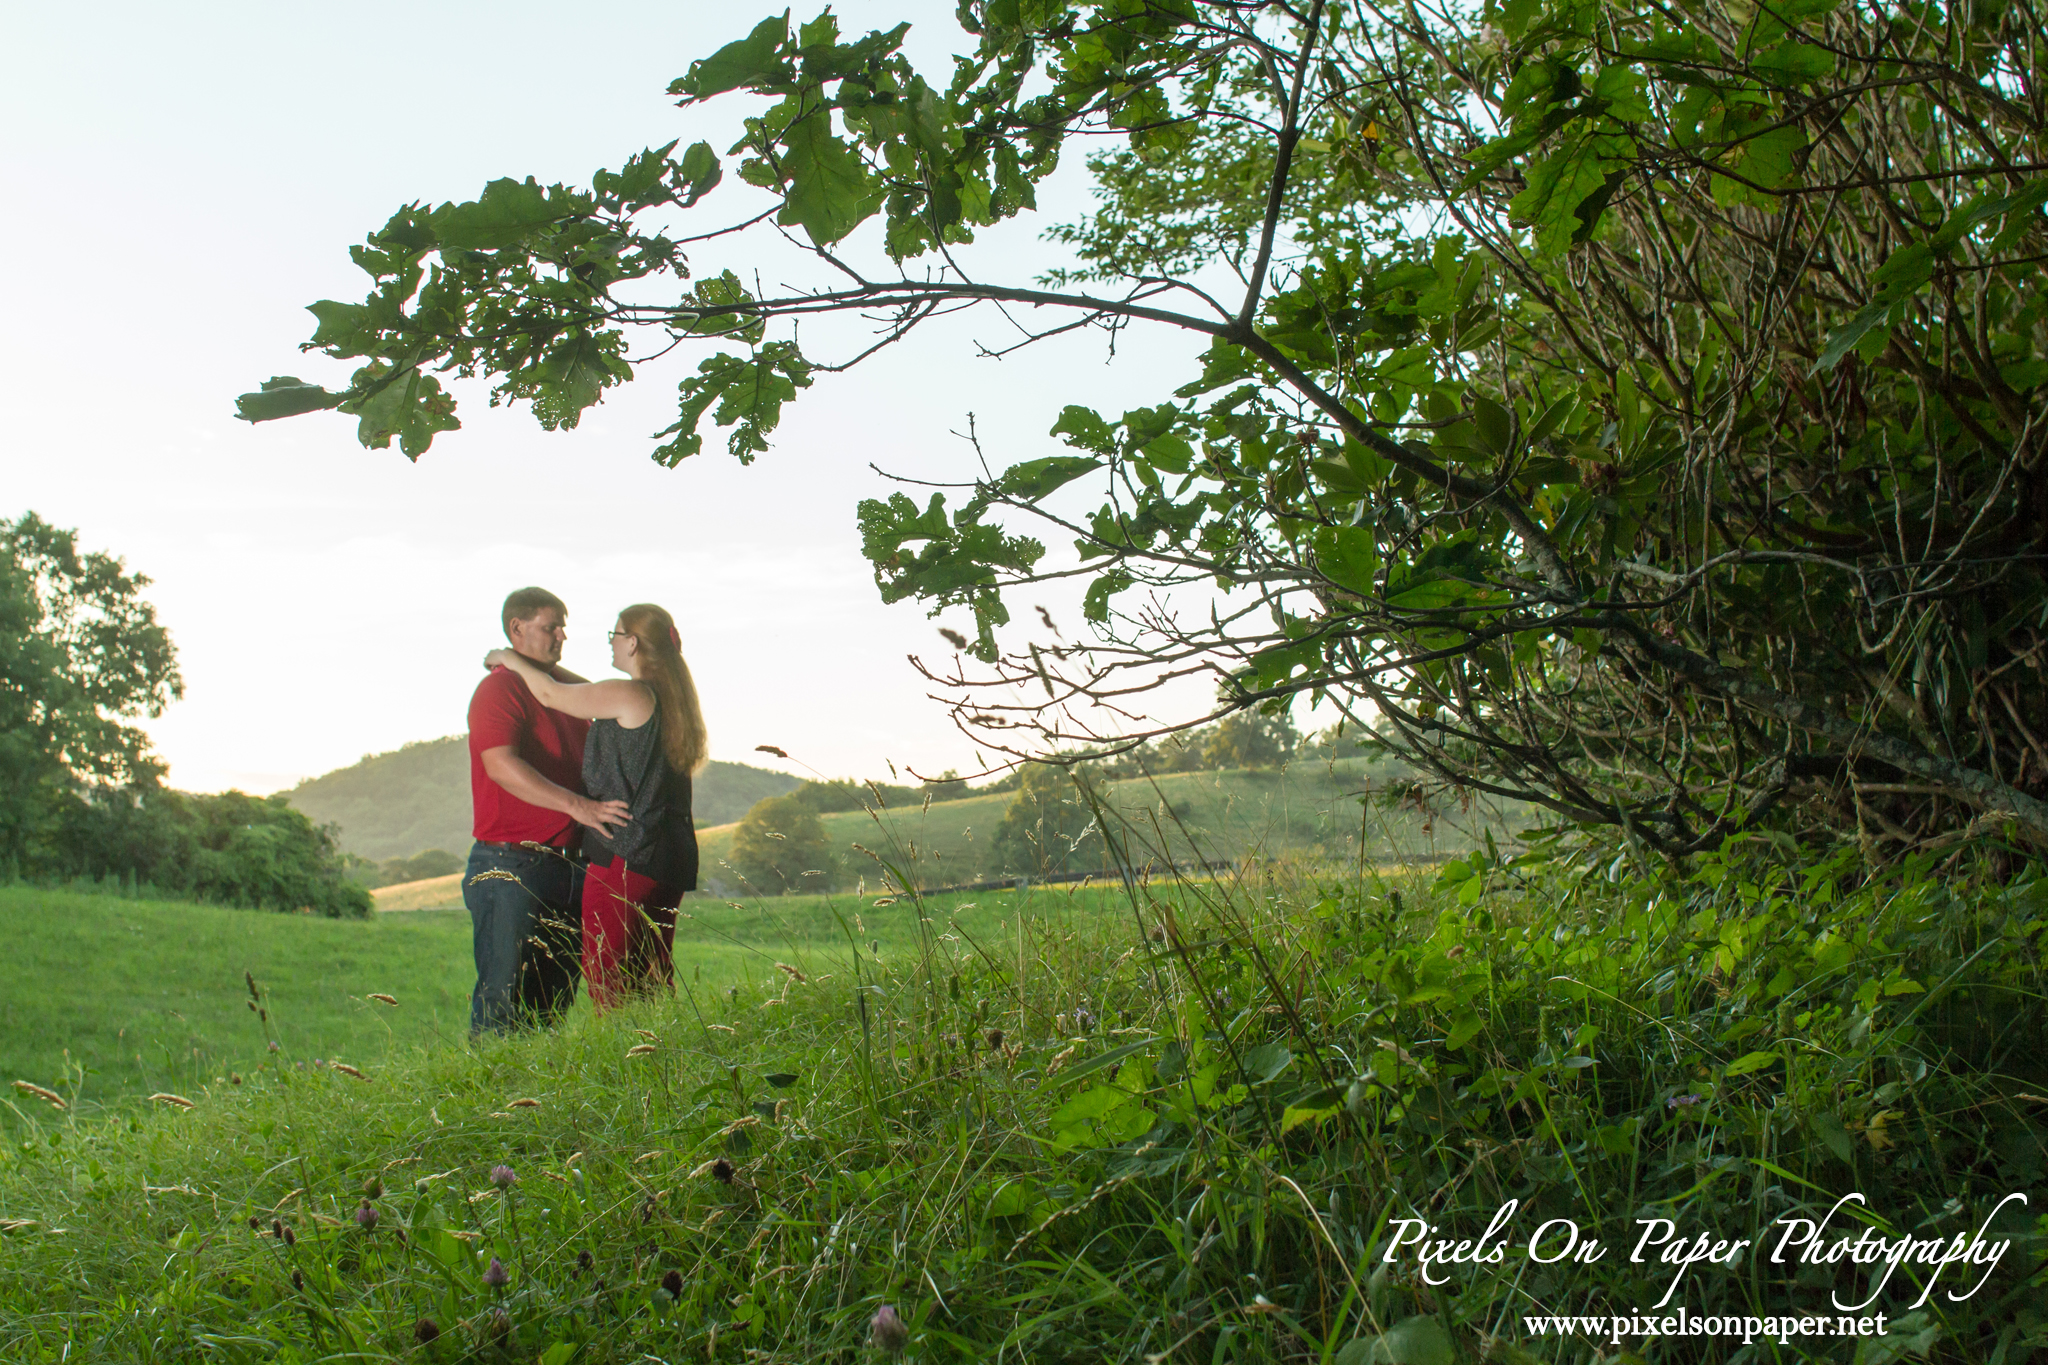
[{"x": 584, "y": 843}]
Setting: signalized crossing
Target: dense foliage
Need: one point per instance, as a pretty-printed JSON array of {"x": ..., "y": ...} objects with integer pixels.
[
  {"x": 1049, "y": 826},
  {"x": 225, "y": 847},
  {"x": 1080, "y": 1138},
  {"x": 780, "y": 847},
  {"x": 1630, "y": 409},
  {"x": 81, "y": 658}
]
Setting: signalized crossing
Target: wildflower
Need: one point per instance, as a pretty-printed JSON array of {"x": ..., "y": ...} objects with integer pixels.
[
  {"x": 995, "y": 1040},
  {"x": 255, "y": 1223},
  {"x": 672, "y": 1284},
  {"x": 366, "y": 1216},
  {"x": 495, "y": 1274},
  {"x": 721, "y": 1171},
  {"x": 274, "y": 1047},
  {"x": 584, "y": 1260},
  {"x": 498, "y": 1325},
  {"x": 425, "y": 1330},
  {"x": 373, "y": 1188},
  {"x": 888, "y": 1331},
  {"x": 299, "y": 1280},
  {"x": 503, "y": 1177},
  {"x": 234, "y": 1078},
  {"x": 1682, "y": 1101}
]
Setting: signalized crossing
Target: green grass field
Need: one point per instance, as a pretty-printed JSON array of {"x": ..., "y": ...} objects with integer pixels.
[
  {"x": 106, "y": 999},
  {"x": 1069, "y": 1128}
]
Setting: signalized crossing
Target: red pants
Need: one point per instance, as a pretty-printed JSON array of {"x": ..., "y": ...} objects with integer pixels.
[{"x": 629, "y": 930}]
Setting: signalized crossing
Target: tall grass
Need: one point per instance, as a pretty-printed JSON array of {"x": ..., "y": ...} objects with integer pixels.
[{"x": 1184, "y": 1127}]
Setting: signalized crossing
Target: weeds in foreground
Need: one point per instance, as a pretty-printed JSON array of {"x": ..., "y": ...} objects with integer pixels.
[{"x": 1204, "y": 1129}]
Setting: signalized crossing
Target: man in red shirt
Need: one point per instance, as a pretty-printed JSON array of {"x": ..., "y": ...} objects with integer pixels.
[{"x": 524, "y": 883}]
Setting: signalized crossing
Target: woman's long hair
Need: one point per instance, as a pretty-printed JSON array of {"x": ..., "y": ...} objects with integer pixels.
[{"x": 663, "y": 669}]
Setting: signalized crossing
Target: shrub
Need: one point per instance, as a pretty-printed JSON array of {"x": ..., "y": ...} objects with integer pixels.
[
  {"x": 228, "y": 847},
  {"x": 1049, "y": 827},
  {"x": 780, "y": 846}
]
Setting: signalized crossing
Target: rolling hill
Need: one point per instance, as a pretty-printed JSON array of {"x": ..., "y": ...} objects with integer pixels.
[
  {"x": 397, "y": 804},
  {"x": 1310, "y": 809}
]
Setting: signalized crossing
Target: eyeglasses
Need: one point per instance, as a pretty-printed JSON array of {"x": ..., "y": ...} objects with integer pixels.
[{"x": 617, "y": 634}]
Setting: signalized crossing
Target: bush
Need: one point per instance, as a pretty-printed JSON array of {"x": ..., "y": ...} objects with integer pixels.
[
  {"x": 780, "y": 846},
  {"x": 229, "y": 848},
  {"x": 1048, "y": 828}
]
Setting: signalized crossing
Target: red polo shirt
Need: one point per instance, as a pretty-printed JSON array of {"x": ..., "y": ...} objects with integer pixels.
[{"x": 504, "y": 712}]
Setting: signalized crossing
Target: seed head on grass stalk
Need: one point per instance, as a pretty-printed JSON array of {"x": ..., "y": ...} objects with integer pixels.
[{"x": 50, "y": 1097}]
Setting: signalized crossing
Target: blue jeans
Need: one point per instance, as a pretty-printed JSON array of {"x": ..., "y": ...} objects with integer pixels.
[{"x": 525, "y": 914}]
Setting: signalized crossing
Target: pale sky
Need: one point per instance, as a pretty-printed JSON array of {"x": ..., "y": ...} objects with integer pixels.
[{"x": 186, "y": 179}]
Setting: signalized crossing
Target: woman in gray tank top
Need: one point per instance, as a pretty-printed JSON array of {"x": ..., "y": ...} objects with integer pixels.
[{"x": 646, "y": 739}]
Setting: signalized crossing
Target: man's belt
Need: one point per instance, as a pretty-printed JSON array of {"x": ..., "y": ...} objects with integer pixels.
[{"x": 574, "y": 853}]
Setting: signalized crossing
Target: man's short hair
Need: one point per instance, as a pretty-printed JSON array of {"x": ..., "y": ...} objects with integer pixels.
[{"x": 528, "y": 603}]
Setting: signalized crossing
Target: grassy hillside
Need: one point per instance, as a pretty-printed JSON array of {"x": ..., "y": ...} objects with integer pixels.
[
  {"x": 149, "y": 995},
  {"x": 105, "y": 999},
  {"x": 1308, "y": 810},
  {"x": 416, "y": 798},
  {"x": 1068, "y": 1137}
]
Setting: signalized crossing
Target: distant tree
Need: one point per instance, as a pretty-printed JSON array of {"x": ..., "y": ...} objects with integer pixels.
[
  {"x": 780, "y": 846},
  {"x": 1049, "y": 826},
  {"x": 81, "y": 655},
  {"x": 228, "y": 848},
  {"x": 1251, "y": 739}
]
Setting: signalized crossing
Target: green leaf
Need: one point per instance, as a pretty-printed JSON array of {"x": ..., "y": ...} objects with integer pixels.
[
  {"x": 1095, "y": 1064},
  {"x": 1557, "y": 186},
  {"x": 1033, "y": 479},
  {"x": 1092, "y": 1103},
  {"x": 1014, "y": 1197},
  {"x": 642, "y": 180},
  {"x": 410, "y": 407},
  {"x": 699, "y": 171},
  {"x": 1496, "y": 425},
  {"x": 1464, "y": 1028},
  {"x": 1349, "y": 557},
  {"x": 753, "y": 60},
  {"x": 507, "y": 213},
  {"x": 749, "y": 393},
  {"x": 830, "y": 192},
  {"x": 1828, "y": 1127},
  {"x": 1553, "y": 417},
  {"x": 781, "y": 1080},
  {"x": 1751, "y": 1061},
  {"x": 1095, "y": 604},
  {"x": 1084, "y": 427},
  {"x": 284, "y": 396},
  {"x": 1418, "y": 1340},
  {"x": 1267, "y": 1061}
]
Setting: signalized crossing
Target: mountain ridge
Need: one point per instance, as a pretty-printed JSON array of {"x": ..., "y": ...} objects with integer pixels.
[{"x": 416, "y": 797}]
